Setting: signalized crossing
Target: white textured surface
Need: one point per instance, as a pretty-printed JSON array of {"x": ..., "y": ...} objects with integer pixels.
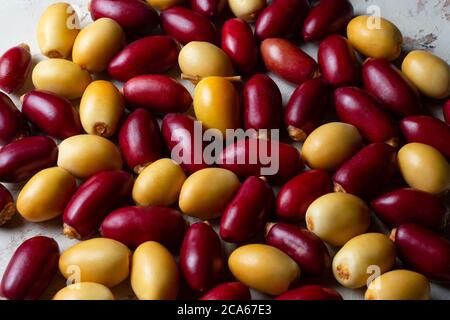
[{"x": 425, "y": 24}]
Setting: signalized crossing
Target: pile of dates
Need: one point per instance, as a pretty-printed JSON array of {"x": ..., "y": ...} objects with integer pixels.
[{"x": 98, "y": 157}]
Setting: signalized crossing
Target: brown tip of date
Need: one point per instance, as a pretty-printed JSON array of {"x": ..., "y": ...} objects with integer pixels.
[
  {"x": 309, "y": 223},
  {"x": 393, "y": 142},
  {"x": 296, "y": 134},
  {"x": 7, "y": 213},
  {"x": 139, "y": 168},
  {"x": 197, "y": 79},
  {"x": 70, "y": 232},
  {"x": 342, "y": 272},
  {"x": 269, "y": 226},
  {"x": 393, "y": 234},
  {"x": 339, "y": 188},
  {"x": 25, "y": 46},
  {"x": 100, "y": 129},
  {"x": 53, "y": 54}
]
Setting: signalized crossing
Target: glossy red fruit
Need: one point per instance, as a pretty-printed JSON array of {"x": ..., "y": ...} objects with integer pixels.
[
  {"x": 21, "y": 159},
  {"x": 31, "y": 269},
  {"x": 149, "y": 55},
  {"x": 307, "y": 107},
  {"x": 260, "y": 157},
  {"x": 95, "y": 198},
  {"x": 133, "y": 16},
  {"x": 248, "y": 212},
  {"x": 424, "y": 251},
  {"x": 281, "y": 19},
  {"x": 367, "y": 171},
  {"x": 14, "y": 68},
  {"x": 446, "y": 111},
  {"x": 7, "y": 207},
  {"x": 239, "y": 44},
  {"x": 389, "y": 85},
  {"x": 409, "y": 205},
  {"x": 186, "y": 25},
  {"x": 338, "y": 62},
  {"x": 362, "y": 110},
  {"x": 157, "y": 93},
  {"x": 288, "y": 61},
  {"x": 182, "y": 134},
  {"x": 326, "y": 18},
  {"x": 52, "y": 114},
  {"x": 310, "y": 292},
  {"x": 201, "y": 259},
  {"x": 427, "y": 130},
  {"x": 140, "y": 140},
  {"x": 262, "y": 103},
  {"x": 135, "y": 225},
  {"x": 303, "y": 246},
  {"x": 228, "y": 291},
  {"x": 208, "y": 8},
  {"x": 297, "y": 194},
  {"x": 13, "y": 124}
]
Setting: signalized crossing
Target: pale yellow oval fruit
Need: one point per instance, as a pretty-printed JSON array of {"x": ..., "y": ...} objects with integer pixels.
[
  {"x": 375, "y": 37},
  {"x": 61, "y": 77},
  {"x": 247, "y": 10},
  {"x": 330, "y": 145},
  {"x": 424, "y": 168},
  {"x": 98, "y": 260},
  {"x": 159, "y": 184},
  {"x": 337, "y": 217},
  {"x": 85, "y": 155},
  {"x": 362, "y": 257},
  {"x": 429, "y": 73},
  {"x": 97, "y": 44},
  {"x": 164, "y": 4},
  {"x": 46, "y": 194},
  {"x": 84, "y": 291},
  {"x": 101, "y": 108},
  {"x": 200, "y": 59},
  {"x": 207, "y": 192},
  {"x": 154, "y": 273},
  {"x": 57, "y": 29},
  {"x": 264, "y": 268},
  {"x": 216, "y": 104},
  {"x": 399, "y": 285}
]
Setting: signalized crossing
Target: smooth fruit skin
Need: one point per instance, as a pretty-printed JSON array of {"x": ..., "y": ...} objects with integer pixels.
[
  {"x": 94, "y": 199},
  {"x": 154, "y": 273},
  {"x": 310, "y": 253},
  {"x": 13, "y": 124},
  {"x": 201, "y": 260},
  {"x": 7, "y": 207},
  {"x": 288, "y": 61},
  {"x": 248, "y": 212},
  {"x": 262, "y": 103},
  {"x": 31, "y": 269},
  {"x": 338, "y": 62},
  {"x": 359, "y": 108},
  {"x": 281, "y": 19},
  {"x": 157, "y": 93},
  {"x": 239, "y": 44},
  {"x": 21, "y": 159},
  {"x": 446, "y": 111},
  {"x": 247, "y": 9},
  {"x": 84, "y": 291},
  {"x": 423, "y": 250},
  {"x": 14, "y": 68},
  {"x": 326, "y": 18},
  {"x": 427, "y": 130},
  {"x": 208, "y": 8},
  {"x": 367, "y": 171},
  {"x": 52, "y": 114},
  {"x": 186, "y": 25},
  {"x": 307, "y": 107},
  {"x": 264, "y": 268},
  {"x": 383, "y": 80},
  {"x": 424, "y": 168},
  {"x": 297, "y": 194},
  {"x": 133, "y": 226},
  {"x": 364, "y": 31},
  {"x": 149, "y": 55},
  {"x": 228, "y": 291},
  {"x": 310, "y": 292},
  {"x": 140, "y": 140}
]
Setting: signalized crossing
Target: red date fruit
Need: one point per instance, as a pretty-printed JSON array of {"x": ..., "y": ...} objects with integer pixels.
[
  {"x": 310, "y": 292},
  {"x": 307, "y": 107},
  {"x": 15, "y": 66},
  {"x": 446, "y": 111},
  {"x": 135, "y": 225},
  {"x": 201, "y": 259},
  {"x": 409, "y": 205},
  {"x": 95, "y": 198},
  {"x": 21, "y": 159},
  {"x": 13, "y": 124},
  {"x": 424, "y": 251},
  {"x": 157, "y": 93},
  {"x": 208, "y": 8},
  {"x": 228, "y": 291},
  {"x": 52, "y": 114},
  {"x": 31, "y": 269},
  {"x": 7, "y": 207},
  {"x": 297, "y": 194}
]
